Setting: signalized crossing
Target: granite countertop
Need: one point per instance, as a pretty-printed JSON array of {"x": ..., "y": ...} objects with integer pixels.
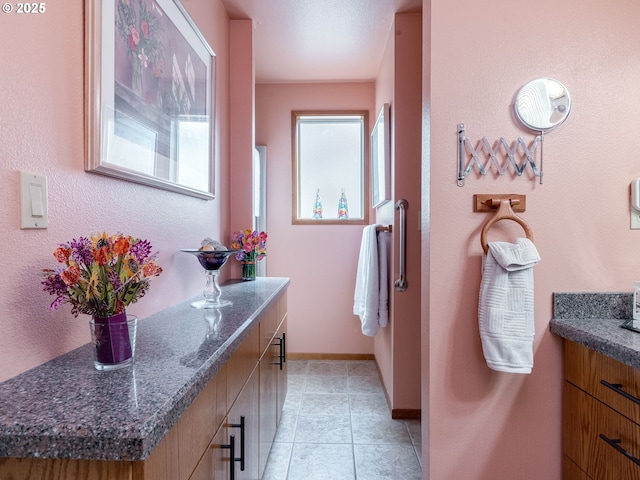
[
  {"x": 67, "y": 409},
  {"x": 593, "y": 320}
]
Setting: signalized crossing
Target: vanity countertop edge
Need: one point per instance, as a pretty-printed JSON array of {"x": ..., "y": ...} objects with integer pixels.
[
  {"x": 65, "y": 408},
  {"x": 594, "y": 320}
]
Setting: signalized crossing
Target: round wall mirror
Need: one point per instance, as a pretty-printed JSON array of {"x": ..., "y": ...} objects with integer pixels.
[{"x": 542, "y": 104}]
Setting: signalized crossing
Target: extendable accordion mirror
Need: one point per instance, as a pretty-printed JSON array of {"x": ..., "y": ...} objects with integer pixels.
[{"x": 540, "y": 105}]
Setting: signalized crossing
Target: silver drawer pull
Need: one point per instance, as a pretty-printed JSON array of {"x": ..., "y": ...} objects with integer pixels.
[
  {"x": 615, "y": 443},
  {"x": 617, "y": 387}
]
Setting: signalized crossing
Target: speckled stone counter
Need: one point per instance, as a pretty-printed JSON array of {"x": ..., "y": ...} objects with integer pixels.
[
  {"x": 593, "y": 320},
  {"x": 67, "y": 409}
]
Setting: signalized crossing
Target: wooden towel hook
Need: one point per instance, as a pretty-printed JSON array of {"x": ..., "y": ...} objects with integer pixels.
[{"x": 505, "y": 212}]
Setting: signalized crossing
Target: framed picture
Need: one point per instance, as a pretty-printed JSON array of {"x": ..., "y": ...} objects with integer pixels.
[
  {"x": 149, "y": 93},
  {"x": 380, "y": 157}
]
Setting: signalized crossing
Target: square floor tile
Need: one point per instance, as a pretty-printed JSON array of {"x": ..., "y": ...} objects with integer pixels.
[
  {"x": 278, "y": 462},
  {"x": 325, "y": 404},
  {"x": 292, "y": 403},
  {"x": 325, "y": 384},
  {"x": 386, "y": 462},
  {"x": 323, "y": 429},
  {"x": 296, "y": 383},
  {"x": 379, "y": 429},
  {"x": 321, "y": 462},
  {"x": 368, "y": 404},
  {"x": 364, "y": 384},
  {"x": 297, "y": 367},
  {"x": 362, "y": 368},
  {"x": 328, "y": 367},
  {"x": 287, "y": 427}
]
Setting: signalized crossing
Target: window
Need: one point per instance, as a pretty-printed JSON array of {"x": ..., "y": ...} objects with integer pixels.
[{"x": 329, "y": 149}]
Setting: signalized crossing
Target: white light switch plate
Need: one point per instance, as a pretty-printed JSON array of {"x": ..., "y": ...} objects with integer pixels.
[{"x": 33, "y": 201}]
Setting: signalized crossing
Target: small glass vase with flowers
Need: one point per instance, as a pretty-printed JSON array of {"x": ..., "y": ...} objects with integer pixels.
[
  {"x": 253, "y": 248},
  {"x": 100, "y": 276}
]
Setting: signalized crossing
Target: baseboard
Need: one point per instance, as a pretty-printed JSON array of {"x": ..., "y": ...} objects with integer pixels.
[
  {"x": 406, "y": 414},
  {"x": 330, "y": 356}
]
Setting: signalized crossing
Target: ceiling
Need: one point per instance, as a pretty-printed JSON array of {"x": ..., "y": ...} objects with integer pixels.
[{"x": 319, "y": 40}]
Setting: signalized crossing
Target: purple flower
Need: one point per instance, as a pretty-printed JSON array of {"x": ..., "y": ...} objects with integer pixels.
[
  {"x": 141, "y": 250},
  {"x": 81, "y": 251},
  {"x": 54, "y": 285},
  {"x": 115, "y": 281}
]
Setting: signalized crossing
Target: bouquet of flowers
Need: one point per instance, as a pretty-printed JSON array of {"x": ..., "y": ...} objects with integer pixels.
[
  {"x": 252, "y": 245},
  {"x": 102, "y": 275}
]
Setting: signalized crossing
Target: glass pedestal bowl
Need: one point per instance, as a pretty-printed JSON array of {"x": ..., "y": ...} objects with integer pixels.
[{"x": 212, "y": 261}]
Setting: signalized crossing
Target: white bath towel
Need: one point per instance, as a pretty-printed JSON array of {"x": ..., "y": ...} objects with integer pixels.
[
  {"x": 371, "y": 295},
  {"x": 505, "y": 308}
]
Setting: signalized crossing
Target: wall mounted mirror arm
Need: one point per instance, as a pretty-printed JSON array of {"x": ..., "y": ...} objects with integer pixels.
[{"x": 541, "y": 105}]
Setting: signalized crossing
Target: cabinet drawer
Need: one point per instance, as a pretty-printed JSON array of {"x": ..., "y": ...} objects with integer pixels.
[
  {"x": 585, "y": 419},
  {"x": 587, "y": 369}
]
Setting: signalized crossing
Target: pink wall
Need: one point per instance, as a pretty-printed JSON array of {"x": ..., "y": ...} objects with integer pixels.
[
  {"x": 41, "y": 119},
  {"x": 483, "y": 424},
  {"x": 241, "y": 119},
  {"x": 397, "y": 348},
  {"x": 320, "y": 260}
]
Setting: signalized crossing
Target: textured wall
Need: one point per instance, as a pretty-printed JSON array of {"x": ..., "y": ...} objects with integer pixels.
[
  {"x": 321, "y": 260},
  {"x": 41, "y": 120},
  {"x": 507, "y": 425}
]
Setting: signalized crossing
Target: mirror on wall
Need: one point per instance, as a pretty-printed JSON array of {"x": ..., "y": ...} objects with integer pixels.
[{"x": 542, "y": 104}]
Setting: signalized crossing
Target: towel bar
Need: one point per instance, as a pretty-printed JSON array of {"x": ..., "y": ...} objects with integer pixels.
[{"x": 401, "y": 283}]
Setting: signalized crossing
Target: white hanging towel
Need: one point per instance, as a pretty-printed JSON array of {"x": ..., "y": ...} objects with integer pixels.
[
  {"x": 505, "y": 307},
  {"x": 371, "y": 295}
]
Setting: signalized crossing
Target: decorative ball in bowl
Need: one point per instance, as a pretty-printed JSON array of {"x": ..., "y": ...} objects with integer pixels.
[{"x": 211, "y": 259}]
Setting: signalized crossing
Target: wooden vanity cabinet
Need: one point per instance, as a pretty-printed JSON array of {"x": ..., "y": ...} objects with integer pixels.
[
  {"x": 273, "y": 381},
  {"x": 192, "y": 449},
  {"x": 601, "y": 435}
]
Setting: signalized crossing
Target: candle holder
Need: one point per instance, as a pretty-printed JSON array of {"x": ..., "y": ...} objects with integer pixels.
[{"x": 212, "y": 261}]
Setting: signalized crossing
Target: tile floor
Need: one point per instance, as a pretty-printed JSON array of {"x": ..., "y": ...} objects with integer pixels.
[{"x": 336, "y": 426}]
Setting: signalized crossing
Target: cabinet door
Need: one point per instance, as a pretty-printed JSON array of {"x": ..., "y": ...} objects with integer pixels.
[
  {"x": 281, "y": 373},
  {"x": 214, "y": 465},
  {"x": 247, "y": 406},
  {"x": 268, "y": 398}
]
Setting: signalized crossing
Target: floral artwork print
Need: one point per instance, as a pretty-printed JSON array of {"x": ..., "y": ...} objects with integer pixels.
[
  {"x": 141, "y": 29},
  {"x": 154, "y": 60}
]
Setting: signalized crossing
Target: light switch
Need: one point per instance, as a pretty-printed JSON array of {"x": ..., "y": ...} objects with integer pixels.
[
  {"x": 33, "y": 201},
  {"x": 37, "y": 209}
]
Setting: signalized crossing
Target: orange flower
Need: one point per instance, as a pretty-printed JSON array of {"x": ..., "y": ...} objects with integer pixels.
[
  {"x": 71, "y": 275},
  {"x": 62, "y": 254},
  {"x": 151, "y": 269},
  {"x": 121, "y": 246},
  {"x": 101, "y": 255}
]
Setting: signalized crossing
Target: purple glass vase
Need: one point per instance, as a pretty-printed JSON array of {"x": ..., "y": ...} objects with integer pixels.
[{"x": 114, "y": 340}]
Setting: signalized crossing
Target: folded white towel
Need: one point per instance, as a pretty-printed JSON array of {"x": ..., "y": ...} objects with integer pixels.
[
  {"x": 384, "y": 240},
  {"x": 505, "y": 307},
  {"x": 370, "y": 298}
]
